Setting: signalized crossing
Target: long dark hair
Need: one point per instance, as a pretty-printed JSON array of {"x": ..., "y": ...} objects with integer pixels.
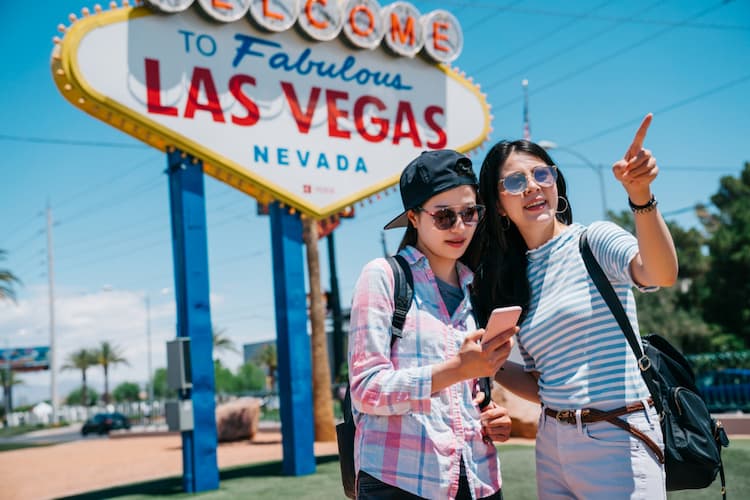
[
  {"x": 498, "y": 251},
  {"x": 410, "y": 237}
]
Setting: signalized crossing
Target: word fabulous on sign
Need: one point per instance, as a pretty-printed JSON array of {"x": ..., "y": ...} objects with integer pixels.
[
  {"x": 364, "y": 23},
  {"x": 316, "y": 125},
  {"x": 373, "y": 118}
]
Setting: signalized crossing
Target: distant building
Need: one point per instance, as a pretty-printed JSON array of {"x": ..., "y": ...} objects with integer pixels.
[{"x": 251, "y": 351}]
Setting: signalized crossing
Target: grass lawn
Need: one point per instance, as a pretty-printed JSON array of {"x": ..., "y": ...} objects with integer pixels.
[
  {"x": 8, "y": 432},
  {"x": 18, "y": 446},
  {"x": 266, "y": 481}
]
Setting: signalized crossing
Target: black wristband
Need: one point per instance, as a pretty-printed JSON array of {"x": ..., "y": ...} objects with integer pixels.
[{"x": 645, "y": 208}]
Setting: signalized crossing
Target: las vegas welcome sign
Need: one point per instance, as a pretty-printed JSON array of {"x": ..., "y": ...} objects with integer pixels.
[{"x": 315, "y": 103}]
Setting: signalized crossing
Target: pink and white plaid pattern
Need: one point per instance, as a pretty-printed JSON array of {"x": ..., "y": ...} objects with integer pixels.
[{"x": 407, "y": 436}]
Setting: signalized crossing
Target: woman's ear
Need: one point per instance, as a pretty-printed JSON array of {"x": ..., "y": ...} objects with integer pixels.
[
  {"x": 412, "y": 216},
  {"x": 500, "y": 209}
]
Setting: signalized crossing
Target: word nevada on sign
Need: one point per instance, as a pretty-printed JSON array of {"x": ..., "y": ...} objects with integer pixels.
[{"x": 275, "y": 111}]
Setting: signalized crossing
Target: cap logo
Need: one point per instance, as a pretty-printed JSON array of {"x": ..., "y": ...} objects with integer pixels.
[{"x": 462, "y": 167}]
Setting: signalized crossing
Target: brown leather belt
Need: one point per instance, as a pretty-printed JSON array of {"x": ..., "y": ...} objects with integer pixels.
[{"x": 591, "y": 415}]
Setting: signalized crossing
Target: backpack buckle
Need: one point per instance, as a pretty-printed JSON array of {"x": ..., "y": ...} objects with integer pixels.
[{"x": 644, "y": 363}]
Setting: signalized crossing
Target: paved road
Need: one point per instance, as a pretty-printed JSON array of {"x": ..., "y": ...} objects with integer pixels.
[{"x": 72, "y": 432}]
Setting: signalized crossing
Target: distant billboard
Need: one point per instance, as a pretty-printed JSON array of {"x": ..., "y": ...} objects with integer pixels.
[{"x": 25, "y": 359}]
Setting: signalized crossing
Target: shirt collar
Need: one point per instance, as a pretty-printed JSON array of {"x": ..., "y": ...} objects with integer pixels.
[{"x": 417, "y": 259}]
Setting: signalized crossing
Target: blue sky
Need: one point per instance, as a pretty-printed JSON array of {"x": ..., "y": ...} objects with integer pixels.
[{"x": 594, "y": 68}]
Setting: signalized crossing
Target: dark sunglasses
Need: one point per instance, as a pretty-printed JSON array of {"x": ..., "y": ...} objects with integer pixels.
[
  {"x": 446, "y": 217},
  {"x": 518, "y": 182}
]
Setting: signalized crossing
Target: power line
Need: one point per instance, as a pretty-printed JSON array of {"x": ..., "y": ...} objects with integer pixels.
[
  {"x": 143, "y": 222},
  {"x": 70, "y": 142},
  {"x": 582, "y": 69},
  {"x": 25, "y": 223},
  {"x": 139, "y": 190},
  {"x": 140, "y": 224},
  {"x": 665, "y": 109},
  {"x": 28, "y": 240},
  {"x": 678, "y": 211},
  {"x": 536, "y": 40},
  {"x": 627, "y": 20},
  {"x": 97, "y": 249},
  {"x": 585, "y": 40},
  {"x": 95, "y": 187},
  {"x": 150, "y": 244},
  {"x": 498, "y": 11},
  {"x": 692, "y": 168}
]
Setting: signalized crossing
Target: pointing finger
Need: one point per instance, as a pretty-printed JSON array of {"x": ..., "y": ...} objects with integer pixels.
[{"x": 637, "y": 144}]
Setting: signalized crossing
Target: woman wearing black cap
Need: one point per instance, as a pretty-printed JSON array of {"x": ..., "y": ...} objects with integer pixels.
[{"x": 419, "y": 433}]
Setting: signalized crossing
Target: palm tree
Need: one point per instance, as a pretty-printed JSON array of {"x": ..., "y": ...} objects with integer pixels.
[
  {"x": 267, "y": 357},
  {"x": 221, "y": 341},
  {"x": 107, "y": 355},
  {"x": 325, "y": 428},
  {"x": 7, "y": 280},
  {"x": 82, "y": 359}
]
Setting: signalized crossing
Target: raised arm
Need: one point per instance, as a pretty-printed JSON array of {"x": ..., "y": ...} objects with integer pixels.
[{"x": 656, "y": 262}]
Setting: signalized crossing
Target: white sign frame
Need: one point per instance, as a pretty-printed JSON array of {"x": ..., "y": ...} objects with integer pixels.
[{"x": 135, "y": 70}]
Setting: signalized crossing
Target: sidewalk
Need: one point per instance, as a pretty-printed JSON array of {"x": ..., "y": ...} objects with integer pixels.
[{"x": 89, "y": 465}]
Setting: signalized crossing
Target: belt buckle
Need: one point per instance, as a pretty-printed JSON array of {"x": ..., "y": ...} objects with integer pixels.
[{"x": 564, "y": 416}]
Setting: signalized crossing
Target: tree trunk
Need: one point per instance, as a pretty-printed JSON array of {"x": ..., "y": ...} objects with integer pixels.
[
  {"x": 106, "y": 384},
  {"x": 84, "y": 400},
  {"x": 325, "y": 429}
]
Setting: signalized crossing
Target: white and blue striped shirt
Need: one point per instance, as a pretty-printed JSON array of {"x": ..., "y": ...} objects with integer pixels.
[{"x": 569, "y": 334}]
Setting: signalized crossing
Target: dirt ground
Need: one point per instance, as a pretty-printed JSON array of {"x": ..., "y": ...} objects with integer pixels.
[{"x": 89, "y": 465}]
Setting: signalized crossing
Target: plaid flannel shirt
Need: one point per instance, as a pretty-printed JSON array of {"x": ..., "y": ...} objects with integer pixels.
[{"x": 406, "y": 435}]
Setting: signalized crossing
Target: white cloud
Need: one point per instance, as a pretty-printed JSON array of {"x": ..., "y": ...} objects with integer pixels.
[{"x": 84, "y": 320}]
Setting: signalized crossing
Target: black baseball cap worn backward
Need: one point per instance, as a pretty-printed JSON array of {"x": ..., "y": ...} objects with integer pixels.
[{"x": 431, "y": 173}]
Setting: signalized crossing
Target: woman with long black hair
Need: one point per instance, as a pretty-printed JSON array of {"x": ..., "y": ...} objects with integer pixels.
[{"x": 576, "y": 360}]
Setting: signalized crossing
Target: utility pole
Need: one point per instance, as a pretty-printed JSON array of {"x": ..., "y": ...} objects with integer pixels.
[
  {"x": 338, "y": 336},
  {"x": 598, "y": 168},
  {"x": 382, "y": 241},
  {"x": 7, "y": 385},
  {"x": 52, "y": 348},
  {"x": 149, "y": 378}
]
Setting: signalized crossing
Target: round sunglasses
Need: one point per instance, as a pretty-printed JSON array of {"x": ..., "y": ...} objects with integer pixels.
[
  {"x": 445, "y": 218},
  {"x": 518, "y": 182}
]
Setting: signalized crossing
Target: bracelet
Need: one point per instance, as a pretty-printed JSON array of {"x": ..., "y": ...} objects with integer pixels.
[{"x": 649, "y": 206}]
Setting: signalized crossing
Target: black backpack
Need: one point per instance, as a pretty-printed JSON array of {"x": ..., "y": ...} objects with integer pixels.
[
  {"x": 692, "y": 438},
  {"x": 403, "y": 294}
]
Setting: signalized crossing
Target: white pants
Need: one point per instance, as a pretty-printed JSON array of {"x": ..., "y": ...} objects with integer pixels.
[{"x": 599, "y": 461}]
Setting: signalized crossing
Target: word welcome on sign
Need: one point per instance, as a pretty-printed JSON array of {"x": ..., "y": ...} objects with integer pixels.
[{"x": 364, "y": 23}]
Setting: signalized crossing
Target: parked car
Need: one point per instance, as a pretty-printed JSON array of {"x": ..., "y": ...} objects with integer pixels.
[
  {"x": 726, "y": 390},
  {"x": 102, "y": 423}
]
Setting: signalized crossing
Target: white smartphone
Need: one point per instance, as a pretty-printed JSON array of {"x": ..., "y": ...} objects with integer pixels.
[{"x": 500, "y": 320}]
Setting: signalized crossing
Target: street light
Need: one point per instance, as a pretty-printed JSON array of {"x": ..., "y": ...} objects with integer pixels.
[{"x": 596, "y": 168}]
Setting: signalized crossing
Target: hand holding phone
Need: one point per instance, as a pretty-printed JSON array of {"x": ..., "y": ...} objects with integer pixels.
[{"x": 501, "y": 319}]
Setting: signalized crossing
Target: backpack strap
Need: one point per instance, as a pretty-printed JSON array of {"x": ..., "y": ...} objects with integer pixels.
[
  {"x": 403, "y": 293},
  {"x": 615, "y": 306}
]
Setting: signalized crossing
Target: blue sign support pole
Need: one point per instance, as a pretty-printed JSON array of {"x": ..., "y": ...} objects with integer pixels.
[
  {"x": 292, "y": 343},
  {"x": 190, "y": 254}
]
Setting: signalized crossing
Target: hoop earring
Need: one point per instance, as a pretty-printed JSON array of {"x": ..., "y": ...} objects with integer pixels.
[
  {"x": 504, "y": 222},
  {"x": 558, "y": 211}
]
